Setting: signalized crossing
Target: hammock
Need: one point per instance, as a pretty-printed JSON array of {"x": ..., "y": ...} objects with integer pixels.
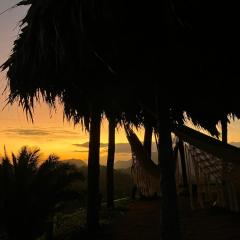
[
  {"x": 214, "y": 167},
  {"x": 212, "y": 176},
  {"x": 145, "y": 173},
  {"x": 215, "y": 176}
]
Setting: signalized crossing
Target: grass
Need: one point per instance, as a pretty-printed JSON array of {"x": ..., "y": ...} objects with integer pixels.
[{"x": 69, "y": 225}]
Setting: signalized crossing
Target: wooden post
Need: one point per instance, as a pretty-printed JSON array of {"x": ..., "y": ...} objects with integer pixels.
[
  {"x": 93, "y": 172},
  {"x": 110, "y": 163}
]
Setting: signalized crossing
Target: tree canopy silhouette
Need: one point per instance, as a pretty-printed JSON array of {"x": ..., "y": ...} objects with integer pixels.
[{"x": 31, "y": 192}]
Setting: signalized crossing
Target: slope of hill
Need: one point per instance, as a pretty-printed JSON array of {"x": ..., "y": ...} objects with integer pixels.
[
  {"x": 236, "y": 144},
  {"x": 122, "y": 182},
  {"x": 122, "y": 164},
  {"x": 78, "y": 162},
  {"x": 122, "y": 178}
]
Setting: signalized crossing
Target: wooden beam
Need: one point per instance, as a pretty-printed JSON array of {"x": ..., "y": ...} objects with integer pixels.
[{"x": 208, "y": 144}]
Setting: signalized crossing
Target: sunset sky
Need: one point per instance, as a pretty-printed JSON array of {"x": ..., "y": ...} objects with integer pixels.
[{"x": 48, "y": 131}]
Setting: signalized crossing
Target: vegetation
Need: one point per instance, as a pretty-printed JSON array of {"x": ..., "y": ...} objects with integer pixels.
[
  {"x": 32, "y": 192},
  {"x": 123, "y": 185},
  {"x": 72, "y": 225},
  {"x": 48, "y": 198}
]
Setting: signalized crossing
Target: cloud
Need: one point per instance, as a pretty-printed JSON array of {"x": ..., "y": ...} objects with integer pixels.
[
  {"x": 119, "y": 147},
  {"x": 122, "y": 150},
  {"x": 86, "y": 145},
  {"x": 62, "y": 132},
  {"x": 79, "y": 151},
  {"x": 55, "y": 133},
  {"x": 27, "y": 132}
]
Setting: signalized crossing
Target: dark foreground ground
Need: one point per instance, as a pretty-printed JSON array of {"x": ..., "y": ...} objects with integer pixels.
[
  {"x": 211, "y": 224},
  {"x": 141, "y": 222}
]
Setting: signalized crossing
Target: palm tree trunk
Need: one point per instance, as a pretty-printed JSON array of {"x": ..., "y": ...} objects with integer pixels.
[
  {"x": 224, "y": 123},
  {"x": 110, "y": 163},
  {"x": 147, "y": 144},
  {"x": 93, "y": 172},
  {"x": 169, "y": 212}
]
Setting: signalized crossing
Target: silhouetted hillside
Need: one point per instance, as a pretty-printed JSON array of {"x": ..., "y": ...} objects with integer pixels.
[
  {"x": 123, "y": 182},
  {"x": 122, "y": 164},
  {"x": 126, "y": 171},
  {"x": 236, "y": 144},
  {"x": 77, "y": 162}
]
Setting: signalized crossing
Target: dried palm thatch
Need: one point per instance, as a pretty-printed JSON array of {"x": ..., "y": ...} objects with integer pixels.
[
  {"x": 66, "y": 46},
  {"x": 55, "y": 56}
]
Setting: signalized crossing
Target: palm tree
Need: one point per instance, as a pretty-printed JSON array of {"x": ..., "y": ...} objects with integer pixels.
[{"x": 31, "y": 192}]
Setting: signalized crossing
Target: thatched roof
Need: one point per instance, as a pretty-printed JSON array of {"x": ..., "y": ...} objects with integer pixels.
[{"x": 95, "y": 54}]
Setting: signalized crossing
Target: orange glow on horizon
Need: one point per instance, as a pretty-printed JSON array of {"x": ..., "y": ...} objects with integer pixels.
[{"x": 49, "y": 132}]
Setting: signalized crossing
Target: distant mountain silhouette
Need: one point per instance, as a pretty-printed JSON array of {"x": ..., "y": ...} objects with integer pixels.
[
  {"x": 122, "y": 180},
  {"x": 122, "y": 164},
  {"x": 236, "y": 144},
  {"x": 78, "y": 162}
]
